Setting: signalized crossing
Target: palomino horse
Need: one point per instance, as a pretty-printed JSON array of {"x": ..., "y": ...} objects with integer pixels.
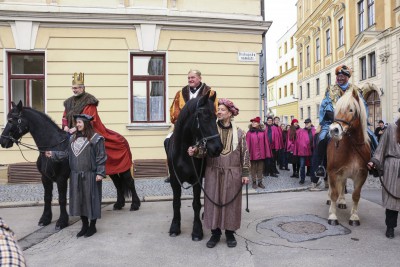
[
  {"x": 196, "y": 124},
  {"x": 48, "y": 136},
  {"x": 348, "y": 153}
]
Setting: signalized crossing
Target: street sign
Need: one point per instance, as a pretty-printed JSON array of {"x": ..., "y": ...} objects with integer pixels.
[{"x": 247, "y": 56}]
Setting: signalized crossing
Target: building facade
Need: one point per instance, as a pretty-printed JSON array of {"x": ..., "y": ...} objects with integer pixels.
[
  {"x": 363, "y": 35},
  {"x": 282, "y": 93},
  {"x": 135, "y": 56}
]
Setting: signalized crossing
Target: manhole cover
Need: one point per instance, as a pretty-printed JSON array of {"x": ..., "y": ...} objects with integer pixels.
[{"x": 303, "y": 227}]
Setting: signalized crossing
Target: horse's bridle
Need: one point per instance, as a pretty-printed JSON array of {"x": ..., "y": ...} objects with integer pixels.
[
  {"x": 348, "y": 123},
  {"x": 22, "y": 129},
  {"x": 203, "y": 141}
]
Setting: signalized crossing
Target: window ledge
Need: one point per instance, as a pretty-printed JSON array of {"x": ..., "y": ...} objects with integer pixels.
[{"x": 148, "y": 126}]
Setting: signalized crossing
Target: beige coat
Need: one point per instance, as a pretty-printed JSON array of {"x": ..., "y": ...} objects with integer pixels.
[
  {"x": 387, "y": 157},
  {"x": 223, "y": 180}
]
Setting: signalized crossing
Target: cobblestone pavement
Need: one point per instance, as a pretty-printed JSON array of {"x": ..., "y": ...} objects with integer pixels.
[{"x": 157, "y": 187}]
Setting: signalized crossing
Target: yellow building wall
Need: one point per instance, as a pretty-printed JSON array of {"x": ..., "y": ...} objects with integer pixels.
[
  {"x": 104, "y": 56},
  {"x": 291, "y": 109}
]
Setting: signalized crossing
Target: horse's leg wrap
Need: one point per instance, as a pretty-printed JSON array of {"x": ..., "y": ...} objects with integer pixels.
[
  {"x": 48, "y": 196},
  {"x": 117, "y": 180},
  {"x": 197, "y": 233}
]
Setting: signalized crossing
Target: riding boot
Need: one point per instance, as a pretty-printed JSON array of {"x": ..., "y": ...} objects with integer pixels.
[
  {"x": 85, "y": 226},
  {"x": 215, "y": 237},
  {"x": 230, "y": 238},
  {"x": 92, "y": 228}
]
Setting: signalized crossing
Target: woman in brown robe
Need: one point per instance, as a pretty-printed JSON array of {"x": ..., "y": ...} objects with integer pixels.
[
  {"x": 224, "y": 177},
  {"x": 387, "y": 158}
]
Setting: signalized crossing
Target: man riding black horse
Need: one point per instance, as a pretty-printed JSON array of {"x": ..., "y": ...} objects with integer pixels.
[{"x": 326, "y": 118}]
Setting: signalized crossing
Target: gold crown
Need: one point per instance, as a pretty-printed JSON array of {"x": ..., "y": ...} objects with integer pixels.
[{"x": 79, "y": 79}]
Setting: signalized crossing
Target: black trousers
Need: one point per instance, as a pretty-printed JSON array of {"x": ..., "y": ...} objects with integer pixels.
[{"x": 391, "y": 218}]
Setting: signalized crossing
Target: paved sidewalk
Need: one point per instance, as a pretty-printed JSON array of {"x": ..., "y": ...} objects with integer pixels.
[
  {"x": 153, "y": 188},
  {"x": 282, "y": 229}
]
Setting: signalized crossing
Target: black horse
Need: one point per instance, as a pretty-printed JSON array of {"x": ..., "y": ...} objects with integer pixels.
[
  {"x": 48, "y": 136},
  {"x": 196, "y": 124}
]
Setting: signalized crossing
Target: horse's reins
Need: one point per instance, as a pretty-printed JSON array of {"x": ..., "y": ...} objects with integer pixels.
[{"x": 203, "y": 143}]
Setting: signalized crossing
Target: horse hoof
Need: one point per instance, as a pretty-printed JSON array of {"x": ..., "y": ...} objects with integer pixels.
[
  {"x": 342, "y": 206},
  {"x": 58, "y": 228},
  {"x": 354, "y": 222},
  {"x": 333, "y": 222},
  {"x": 328, "y": 202},
  {"x": 118, "y": 206},
  {"x": 174, "y": 234},
  {"x": 43, "y": 223},
  {"x": 196, "y": 238},
  {"x": 134, "y": 207}
]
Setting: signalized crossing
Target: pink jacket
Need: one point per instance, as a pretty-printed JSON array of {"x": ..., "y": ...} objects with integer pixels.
[
  {"x": 303, "y": 143},
  {"x": 291, "y": 144},
  {"x": 257, "y": 144},
  {"x": 277, "y": 137}
]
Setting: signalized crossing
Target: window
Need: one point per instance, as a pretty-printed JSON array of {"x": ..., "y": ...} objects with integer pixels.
[
  {"x": 292, "y": 63},
  {"x": 26, "y": 79},
  {"x": 271, "y": 94},
  {"x": 360, "y": 5},
  {"x": 285, "y": 91},
  {"x": 308, "y": 90},
  {"x": 371, "y": 12},
  {"x": 308, "y": 112},
  {"x": 280, "y": 51},
  {"x": 280, "y": 93},
  {"x": 301, "y": 93},
  {"x": 286, "y": 66},
  {"x": 317, "y": 50},
  {"x": 308, "y": 56},
  {"x": 317, "y": 85},
  {"x": 363, "y": 68},
  {"x": 300, "y": 62},
  {"x": 280, "y": 69},
  {"x": 301, "y": 114},
  {"x": 372, "y": 64},
  {"x": 148, "y": 88},
  {"x": 328, "y": 80},
  {"x": 291, "y": 42},
  {"x": 291, "y": 88},
  {"x": 341, "y": 31},
  {"x": 328, "y": 42},
  {"x": 317, "y": 111},
  {"x": 285, "y": 47}
]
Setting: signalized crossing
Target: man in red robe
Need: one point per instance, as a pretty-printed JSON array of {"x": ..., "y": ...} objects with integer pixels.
[{"x": 119, "y": 157}]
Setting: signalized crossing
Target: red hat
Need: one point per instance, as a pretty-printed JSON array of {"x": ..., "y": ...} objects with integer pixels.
[
  {"x": 294, "y": 121},
  {"x": 256, "y": 119}
]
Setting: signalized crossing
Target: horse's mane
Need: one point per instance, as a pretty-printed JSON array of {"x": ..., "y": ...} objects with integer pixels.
[
  {"x": 188, "y": 109},
  {"x": 43, "y": 116},
  {"x": 348, "y": 101}
]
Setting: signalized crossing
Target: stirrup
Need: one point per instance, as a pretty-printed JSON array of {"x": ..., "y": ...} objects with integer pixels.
[{"x": 320, "y": 172}]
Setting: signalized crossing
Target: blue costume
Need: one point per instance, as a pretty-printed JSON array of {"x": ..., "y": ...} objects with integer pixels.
[{"x": 326, "y": 118}]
